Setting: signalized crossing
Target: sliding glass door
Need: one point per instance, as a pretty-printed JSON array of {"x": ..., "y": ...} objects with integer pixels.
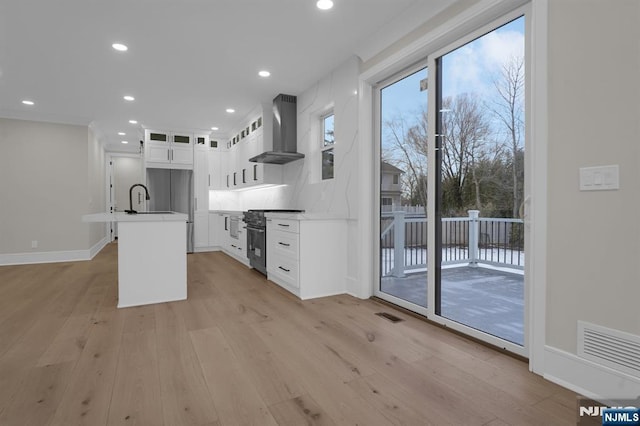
[
  {"x": 452, "y": 185},
  {"x": 403, "y": 187},
  {"x": 481, "y": 125}
]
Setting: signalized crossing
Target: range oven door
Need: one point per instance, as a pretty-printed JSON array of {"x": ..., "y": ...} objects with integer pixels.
[{"x": 257, "y": 248}]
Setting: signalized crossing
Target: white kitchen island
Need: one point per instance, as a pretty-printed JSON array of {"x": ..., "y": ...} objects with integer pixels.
[{"x": 152, "y": 256}]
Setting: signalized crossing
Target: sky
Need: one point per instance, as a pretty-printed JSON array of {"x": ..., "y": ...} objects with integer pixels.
[{"x": 470, "y": 68}]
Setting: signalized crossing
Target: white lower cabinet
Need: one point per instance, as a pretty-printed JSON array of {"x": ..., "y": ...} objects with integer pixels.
[
  {"x": 223, "y": 235},
  {"x": 307, "y": 257}
]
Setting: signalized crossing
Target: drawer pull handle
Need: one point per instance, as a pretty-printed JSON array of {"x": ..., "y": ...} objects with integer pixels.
[
  {"x": 283, "y": 224},
  {"x": 284, "y": 269},
  {"x": 283, "y": 244}
]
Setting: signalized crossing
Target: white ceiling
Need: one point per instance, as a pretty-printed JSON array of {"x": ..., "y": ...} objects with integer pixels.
[{"x": 188, "y": 60}]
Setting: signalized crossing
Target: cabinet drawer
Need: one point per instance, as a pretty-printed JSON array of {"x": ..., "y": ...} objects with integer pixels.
[
  {"x": 283, "y": 243},
  {"x": 284, "y": 225},
  {"x": 283, "y": 269}
]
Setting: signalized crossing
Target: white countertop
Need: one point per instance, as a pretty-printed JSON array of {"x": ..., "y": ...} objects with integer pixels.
[
  {"x": 229, "y": 212},
  {"x": 124, "y": 217},
  {"x": 290, "y": 216},
  {"x": 304, "y": 216}
]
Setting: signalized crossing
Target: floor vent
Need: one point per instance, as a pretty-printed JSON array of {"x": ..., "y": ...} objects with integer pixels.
[
  {"x": 612, "y": 348},
  {"x": 389, "y": 317}
]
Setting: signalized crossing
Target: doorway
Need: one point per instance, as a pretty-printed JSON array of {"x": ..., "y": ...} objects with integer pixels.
[
  {"x": 124, "y": 171},
  {"x": 452, "y": 185}
]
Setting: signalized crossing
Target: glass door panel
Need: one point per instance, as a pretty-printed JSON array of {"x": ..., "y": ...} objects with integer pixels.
[
  {"x": 480, "y": 130},
  {"x": 403, "y": 188}
]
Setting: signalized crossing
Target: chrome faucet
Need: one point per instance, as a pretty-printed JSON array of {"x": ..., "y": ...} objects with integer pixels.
[{"x": 131, "y": 210}]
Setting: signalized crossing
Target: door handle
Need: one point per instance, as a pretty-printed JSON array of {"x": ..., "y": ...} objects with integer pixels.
[
  {"x": 284, "y": 269},
  {"x": 284, "y": 244}
]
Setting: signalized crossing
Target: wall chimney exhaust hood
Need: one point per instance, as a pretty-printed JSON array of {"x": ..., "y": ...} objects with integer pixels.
[{"x": 284, "y": 133}]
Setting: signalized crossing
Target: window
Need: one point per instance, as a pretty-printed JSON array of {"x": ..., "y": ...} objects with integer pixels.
[
  {"x": 328, "y": 141},
  {"x": 396, "y": 179},
  {"x": 386, "y": 201}
]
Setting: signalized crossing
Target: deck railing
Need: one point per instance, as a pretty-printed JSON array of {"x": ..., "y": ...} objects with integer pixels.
[{"x": 472, "y": 240}]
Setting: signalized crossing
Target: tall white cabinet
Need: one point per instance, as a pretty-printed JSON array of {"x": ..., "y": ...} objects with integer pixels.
[{"x": 201, "y": 178}]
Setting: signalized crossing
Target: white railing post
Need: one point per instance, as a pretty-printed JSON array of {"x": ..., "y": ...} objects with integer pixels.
[
  {"x": 398, "y": 244},
  {"x": 474, "y": 236}
]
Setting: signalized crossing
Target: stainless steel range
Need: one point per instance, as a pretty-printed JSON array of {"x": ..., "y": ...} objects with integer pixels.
[{"x": 257, "y": 236}]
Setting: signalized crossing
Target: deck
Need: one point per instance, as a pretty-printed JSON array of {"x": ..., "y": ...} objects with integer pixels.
[{"x": 484, "y": 298}]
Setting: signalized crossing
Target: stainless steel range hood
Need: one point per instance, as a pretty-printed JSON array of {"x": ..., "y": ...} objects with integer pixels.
[{"x": 284, "y": 133}]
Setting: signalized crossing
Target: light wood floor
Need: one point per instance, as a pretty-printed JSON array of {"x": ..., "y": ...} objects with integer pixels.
[{"x": 241, "y": 351}]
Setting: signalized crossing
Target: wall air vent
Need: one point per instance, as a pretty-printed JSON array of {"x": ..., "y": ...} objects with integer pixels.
[{"x": 612, "y": 348}]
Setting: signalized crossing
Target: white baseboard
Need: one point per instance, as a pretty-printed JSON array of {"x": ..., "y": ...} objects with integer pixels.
[
  {"x": 206, "y": 249},
  {"x": 52, "y": 256},
  {"x": 588, "y": 378},
  {"x": 355, "y": 288},
  {"x": 97, "y": 247}
]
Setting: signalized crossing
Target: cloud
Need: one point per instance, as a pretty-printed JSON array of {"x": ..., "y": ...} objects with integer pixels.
[
  {"x": 498, "y": 47},
  {"x": 472, "y": 67}
]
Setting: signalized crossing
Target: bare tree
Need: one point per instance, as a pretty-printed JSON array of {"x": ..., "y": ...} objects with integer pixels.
[
  {"x": 407, "y": 149},
  {"x": 464, "y": 127},
  {"x": 509, "y": 111}
]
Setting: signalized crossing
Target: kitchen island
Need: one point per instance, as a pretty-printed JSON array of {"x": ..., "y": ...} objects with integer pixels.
[{"x": 152, "y": 256}]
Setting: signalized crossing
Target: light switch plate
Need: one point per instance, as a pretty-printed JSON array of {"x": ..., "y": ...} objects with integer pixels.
[{"x": 600, "y": 178}]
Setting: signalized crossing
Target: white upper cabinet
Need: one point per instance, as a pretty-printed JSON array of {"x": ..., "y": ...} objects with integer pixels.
[
  {"x": 165, "y": 149},
  {"x": 246, "y": 142},
  {"x": 201, "y": 142}
]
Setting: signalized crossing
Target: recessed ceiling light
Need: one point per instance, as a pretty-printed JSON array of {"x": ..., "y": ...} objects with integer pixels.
[
  {"x": 214, "y": 128},
  {"x": 231, "y": 110},
  {"x": 129, "y": 98},
  {"x": 264, "y": 73},
  {"x": 120, "y": 47},
  {"x": 27, "y": 102},
  {"x": 125, "y": 142},
  {"x": 133, "y": 122},
  {"x": 324, "y": 4},
  {"x": 121, "y": 133}
]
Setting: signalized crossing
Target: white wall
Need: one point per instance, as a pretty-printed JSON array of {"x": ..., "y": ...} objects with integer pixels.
[
  {"x": 96, "y": 179},
  {"x": 47, "y": 184},
  {"x": 594, "y": 107}
]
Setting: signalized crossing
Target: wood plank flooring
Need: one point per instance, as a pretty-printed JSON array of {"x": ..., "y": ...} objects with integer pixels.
[{"x": 242, "y": 351}]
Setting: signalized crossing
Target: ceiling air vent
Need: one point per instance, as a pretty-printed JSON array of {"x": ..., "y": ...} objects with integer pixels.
[{"x": 612, "y": 348}]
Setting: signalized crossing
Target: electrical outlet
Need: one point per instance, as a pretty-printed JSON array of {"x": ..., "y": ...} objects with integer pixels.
[{"x": 34, "y": 244}]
